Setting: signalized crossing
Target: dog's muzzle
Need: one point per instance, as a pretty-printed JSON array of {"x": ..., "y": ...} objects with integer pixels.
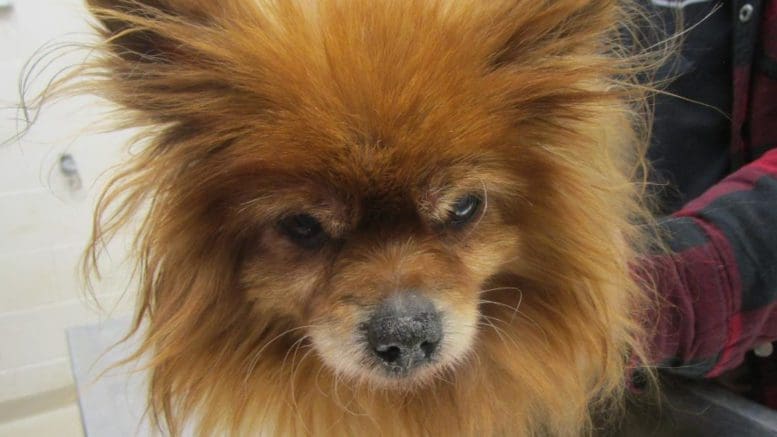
[{"x": 404, "y": 332}]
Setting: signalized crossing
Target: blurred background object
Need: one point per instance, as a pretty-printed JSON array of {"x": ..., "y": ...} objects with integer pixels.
[{"x": 69, "y": 169}]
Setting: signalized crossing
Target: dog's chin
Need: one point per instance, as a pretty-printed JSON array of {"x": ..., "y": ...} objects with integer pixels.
[
  {"x": 365, "y": 371},
  {"x": 404, "y": 380}
]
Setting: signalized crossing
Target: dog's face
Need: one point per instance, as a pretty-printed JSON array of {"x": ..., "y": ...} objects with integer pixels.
[
  {"x": 375, "y": 246},
  {"x": 406, "y": 188},
  {"x": 379, "y": 251}
]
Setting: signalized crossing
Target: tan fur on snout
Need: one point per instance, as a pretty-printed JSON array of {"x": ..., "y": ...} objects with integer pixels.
[{"x": 369, "y": 278}]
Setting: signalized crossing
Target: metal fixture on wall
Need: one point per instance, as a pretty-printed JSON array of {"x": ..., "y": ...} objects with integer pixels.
[{"x": 69, "y": 169}]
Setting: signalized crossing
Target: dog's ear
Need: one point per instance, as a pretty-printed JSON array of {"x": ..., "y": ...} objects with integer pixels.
[
  {"x": 560, "y": 56},
  {"x": 533, "y": 29},
  {"x": 134, "y": 29},
  {"x": 166, "y": 58}
]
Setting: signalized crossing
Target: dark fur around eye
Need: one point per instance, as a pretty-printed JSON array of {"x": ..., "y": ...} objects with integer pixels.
[
  {"x": 464, "y": 210},
  {"x": 304, "y": 230}
]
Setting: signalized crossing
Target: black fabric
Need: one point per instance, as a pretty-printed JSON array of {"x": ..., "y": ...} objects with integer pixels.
[
  {"x": 746, "y": 218},
  {"x": 767, "y": 66},
  {"x": 746, "y": 32},
  {"x": 690, "y": 144},
  {"x": 682, "y": 233}
]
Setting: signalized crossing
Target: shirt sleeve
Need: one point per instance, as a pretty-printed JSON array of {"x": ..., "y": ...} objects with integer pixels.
[{"x": 718, "y": 287}]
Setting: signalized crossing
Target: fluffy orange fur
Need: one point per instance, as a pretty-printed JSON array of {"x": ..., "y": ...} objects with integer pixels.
[{"x": 374, "y": 116}]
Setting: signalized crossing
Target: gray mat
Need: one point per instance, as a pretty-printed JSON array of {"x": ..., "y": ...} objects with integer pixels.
[{"x": 112, "y": 404}]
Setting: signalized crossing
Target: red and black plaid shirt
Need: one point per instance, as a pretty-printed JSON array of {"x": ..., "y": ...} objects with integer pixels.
[{"x": 721, "y": 282}]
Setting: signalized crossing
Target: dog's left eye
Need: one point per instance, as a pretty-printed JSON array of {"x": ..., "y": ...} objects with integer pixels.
[
  {"x": 464, "y": 210},
  {"x": 304, "y": 230}
]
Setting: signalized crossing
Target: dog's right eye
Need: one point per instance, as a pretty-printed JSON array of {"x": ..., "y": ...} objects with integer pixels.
[{"x": 304, "y": 230}]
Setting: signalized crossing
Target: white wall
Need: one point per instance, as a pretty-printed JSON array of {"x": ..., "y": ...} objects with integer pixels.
[{"x": 44, "y": 226}]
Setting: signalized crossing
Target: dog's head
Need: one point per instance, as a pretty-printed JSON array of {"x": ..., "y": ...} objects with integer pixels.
[{"x": 411, "y": 190}]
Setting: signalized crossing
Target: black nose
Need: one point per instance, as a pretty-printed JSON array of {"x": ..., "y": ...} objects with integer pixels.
[{"x": 404, "y": 331}]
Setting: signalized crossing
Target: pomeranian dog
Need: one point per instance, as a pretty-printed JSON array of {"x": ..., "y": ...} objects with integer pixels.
[{"x": 368, "y": 217}]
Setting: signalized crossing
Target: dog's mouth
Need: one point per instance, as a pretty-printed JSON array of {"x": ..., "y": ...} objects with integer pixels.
[{"x": 402, "y": 342}]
